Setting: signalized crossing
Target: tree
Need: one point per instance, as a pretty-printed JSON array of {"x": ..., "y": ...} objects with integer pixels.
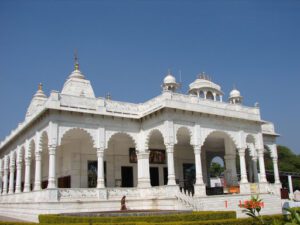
[
  {"x": 216, "y": 169},
  {"x": 288, "y": 161}
]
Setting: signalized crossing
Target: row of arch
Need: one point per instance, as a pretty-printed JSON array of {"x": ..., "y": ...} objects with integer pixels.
[{"x": 183, "y": 135}]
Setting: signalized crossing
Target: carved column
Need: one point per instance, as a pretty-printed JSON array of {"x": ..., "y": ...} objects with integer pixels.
[
  {"x": 5, "y": 176},
  {"x": 262, "y": 169},
  {"x": 12, "y": 174},
  {"x": 198, "y": 165},
  {"x": 171, "y": 169},
  {"x": 38, "y": 171},
  {"x": 52, "y": 167},
  {"x": 100, "y": 175},
  {"x": 143, "y": 169},
  {"x": 243, "y": 165},
  {"x": 1, "y": 171},
  {"x": 27, "y": 174},
  {"x": 276, "y": 172},
  {"x": 255, "y": 173},
  {"x": 19, "y": 173},
  {"x": 230, "y": 162}
]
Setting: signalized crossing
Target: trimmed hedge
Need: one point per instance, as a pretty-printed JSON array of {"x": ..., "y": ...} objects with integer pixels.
[
  {"x": 195, "y": 216},
  {"x": 29, "y": 223},
  {"x": 243, "y": 221}
]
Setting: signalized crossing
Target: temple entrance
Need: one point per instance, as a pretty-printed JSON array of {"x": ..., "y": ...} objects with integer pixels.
[
  {"x": 157, "y": 158},
  {"x": 127, "y": 176},
  {"x": 219, "y": 159},
  {"x": 189, "y": 177},
  {"x": 154, "y": 176},
  {"x": 92, "y": 173}
]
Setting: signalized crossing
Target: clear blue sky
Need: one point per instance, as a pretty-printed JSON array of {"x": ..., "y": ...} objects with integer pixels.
[{"x": 126, "y": 48}]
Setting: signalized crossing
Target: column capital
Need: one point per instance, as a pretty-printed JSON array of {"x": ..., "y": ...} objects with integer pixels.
[
  {"x": 52, "y": 149},
  {"x": 241, "y": 151},
  {"x": 170, "y": 147},
  {"x": 143, "y": 155},
  {"x": 254, "y": 158},
  {"x": 197, "y": 149},
  {"x": 100, "y": 153},
  {"x": 27, "y": 161},
  {"x": 38, "y": 156},
  {"x": 260, "y": 151}
]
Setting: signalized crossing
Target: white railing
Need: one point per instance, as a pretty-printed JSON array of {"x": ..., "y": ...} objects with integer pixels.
[{"x": 190, "y": 201}]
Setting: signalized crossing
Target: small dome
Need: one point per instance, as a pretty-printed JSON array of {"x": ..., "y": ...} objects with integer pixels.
[
  {"x": 37, "y": 102},
  {"x": 169, "y": 79},
  {"x": 235, "y": 93}
]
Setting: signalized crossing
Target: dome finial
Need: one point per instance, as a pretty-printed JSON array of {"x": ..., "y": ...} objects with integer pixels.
[
  {"x": 40, "y": 87},
  {"x": 76, "y": 63}
]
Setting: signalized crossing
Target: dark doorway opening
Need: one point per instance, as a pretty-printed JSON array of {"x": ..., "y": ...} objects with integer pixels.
[
  {"x": 165, "y": 175},
  {"x": 154, "y": 176},
  {"x": 189, "y": 177},
  {"x": 127, "y": 176}
]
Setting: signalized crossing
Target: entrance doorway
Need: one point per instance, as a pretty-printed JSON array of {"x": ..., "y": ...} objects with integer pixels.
[
  {"x": 127, "y": 176},
  {"x": 154, "y": 176},
  {"x": 189, "y": 177}
]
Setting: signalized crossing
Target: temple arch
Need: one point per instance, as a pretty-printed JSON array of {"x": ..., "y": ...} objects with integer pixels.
[
  {"x": 221, "y": 144},
  {"x": 120, "y": 161},
  {"x": 75, "y": 157},
  {"x": 157, "y": 158},
  {"x": 184, "y": 160}
]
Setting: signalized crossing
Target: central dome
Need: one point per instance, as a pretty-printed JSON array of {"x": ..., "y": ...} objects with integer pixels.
[{"x": 203, "y": 87}]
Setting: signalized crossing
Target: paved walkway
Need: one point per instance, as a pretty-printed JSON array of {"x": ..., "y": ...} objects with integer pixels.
[{"x": 9, "y": 219}]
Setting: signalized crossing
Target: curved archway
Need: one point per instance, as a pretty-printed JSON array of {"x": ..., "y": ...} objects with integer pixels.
[
  {"x": 201, "y": 94},
  {"x": 220, "y": 144},
  {"x": 154, "y": 134},
  {"x": 209, "y": 95},
  {"x": 75, "y": 156},
  {"x": 120, "y": 161},
  {"x": 184, "y": 160},
  {"x": 157, "y": 158}
]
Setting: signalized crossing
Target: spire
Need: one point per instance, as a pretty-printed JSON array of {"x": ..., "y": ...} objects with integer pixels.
[
  {"x": 76, "y": 63},
  {"x": 40, "y": 87}
]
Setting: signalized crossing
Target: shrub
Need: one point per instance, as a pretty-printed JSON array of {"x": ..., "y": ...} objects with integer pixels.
[{"x": 195, "y": 216}]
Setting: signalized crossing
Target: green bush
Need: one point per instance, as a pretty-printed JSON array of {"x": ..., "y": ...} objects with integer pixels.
[
  {"x": 243, "y": 221},
  {"x": 195, "y": 216},
  {"x": 28, "y": 223}
]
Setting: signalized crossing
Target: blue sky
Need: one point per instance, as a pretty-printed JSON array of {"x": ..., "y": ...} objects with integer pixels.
[{"x": 126, "y": 48}]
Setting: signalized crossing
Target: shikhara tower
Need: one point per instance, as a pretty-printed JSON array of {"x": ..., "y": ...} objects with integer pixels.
[{"x": 85, "y": 152}]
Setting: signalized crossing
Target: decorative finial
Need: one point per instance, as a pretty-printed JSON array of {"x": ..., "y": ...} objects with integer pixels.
[
  {"x": 234, "y": 87},
  {"x": 40, "y": 88},
  {"x": 108, "y": 96},
  {"x": 169, "y": 71},
  {"x": 76, "y": 63}
]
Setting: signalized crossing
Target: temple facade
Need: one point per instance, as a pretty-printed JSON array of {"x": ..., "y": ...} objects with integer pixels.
[{"x": 75, "y": 152}]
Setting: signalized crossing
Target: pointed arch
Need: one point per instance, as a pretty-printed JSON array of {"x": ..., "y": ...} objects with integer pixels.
[
  {"x": 184, "y": 134},
  {"x": 115, "y": 134},
  {"x": 44, "y": 141},
  {"x": 223, "y": 134},
  {"x": 154, "y": 132},
  {"x": 79, "y": 131}
]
